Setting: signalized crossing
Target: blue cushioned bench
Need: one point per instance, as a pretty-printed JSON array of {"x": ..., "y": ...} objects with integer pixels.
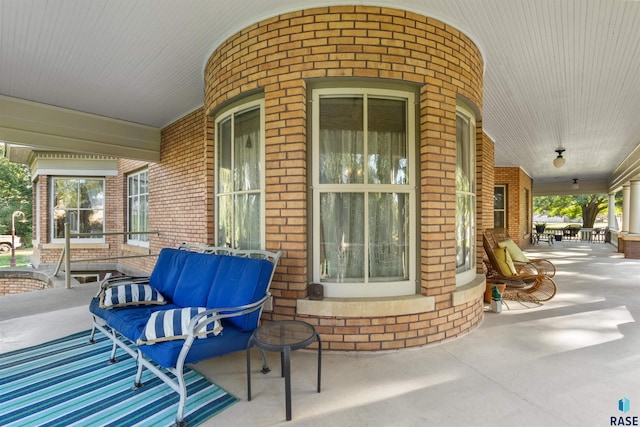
[{"x": 230, "y": 288}]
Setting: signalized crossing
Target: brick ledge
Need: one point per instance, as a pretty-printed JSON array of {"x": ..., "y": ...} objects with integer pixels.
[
  {"x": 367, "y": 307},
  {"x": 470, "y": 292}
]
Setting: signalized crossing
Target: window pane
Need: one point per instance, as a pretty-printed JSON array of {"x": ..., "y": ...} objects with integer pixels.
[
  {"x": 144, "y": 182},
  {"x": 133, "y": 216},
  {"x": 59, "y": 218},
  {"x": 144, "y": 218},
  {"x": 133, "y": 185},
  {"x": 247, "y": 150},
  {"x": 498, "y": 198},
  {"x": 91, "y": 193},
  {"x": 247, "y": 218},
  {"x": 388, "y": 236},
  {"x": 341, "y": 140},
  {"x": 225, "y": 225},
  {"x": 66, "y": 193},
  {"x": 498, "y": 219},
  {"x": 464, "y": 232},
  {"x": 463, "y": 156},
  {"x": 225, "y": 173},
  {"x": 342, "y": 237},
  {"x": 90, "y": 221},
  {"x": 387, "y": 141}
]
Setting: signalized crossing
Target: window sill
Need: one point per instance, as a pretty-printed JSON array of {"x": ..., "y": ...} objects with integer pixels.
[
  {"x": 141, "y": 250},
  {"x": 76, "y": 245},
  {"x": 470, "y": 292},
  {"x": 367, "y": 307}
]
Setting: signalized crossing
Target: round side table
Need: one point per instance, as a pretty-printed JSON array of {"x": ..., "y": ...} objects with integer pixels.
[{"x": 283, "y": 336}]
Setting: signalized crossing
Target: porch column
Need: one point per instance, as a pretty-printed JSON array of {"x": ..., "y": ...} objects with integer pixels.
[
  {"x": 612, "y": 212},
  {"x": 626, "y": 212},
  {"x": 634, "y": 208}
]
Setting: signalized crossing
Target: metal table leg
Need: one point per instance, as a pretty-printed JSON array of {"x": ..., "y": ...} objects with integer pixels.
[
  {"x": 286, "y": 351},
  {"x": 249, "y": 344},
  {"x": 319, "y": 360}
]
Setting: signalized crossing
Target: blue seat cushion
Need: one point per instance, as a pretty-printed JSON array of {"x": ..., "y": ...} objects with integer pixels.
[
  {"x": 240, "y": 281},
  {"x": 193, "y": 285},
  {"x": 167, "y": 270},
  {"x": 166, "y": 353}
]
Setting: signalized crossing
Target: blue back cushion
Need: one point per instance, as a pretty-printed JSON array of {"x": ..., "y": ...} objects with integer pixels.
[
  {"x": 195, "y": 281},
  {"x": 167, "y": 271},
  {"x": 240, "y": 281}
]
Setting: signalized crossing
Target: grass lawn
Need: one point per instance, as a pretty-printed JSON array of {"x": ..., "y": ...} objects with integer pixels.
[{"x": 23, "y": 257}]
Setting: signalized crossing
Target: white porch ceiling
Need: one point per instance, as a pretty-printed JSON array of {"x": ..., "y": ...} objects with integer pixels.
[{"x": 557, "y": 72}]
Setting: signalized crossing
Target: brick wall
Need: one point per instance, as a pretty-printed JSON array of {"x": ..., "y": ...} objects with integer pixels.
[
  {"x": 279, "y": 56},
  {"x": 518, "y": 185},
  {"x": 20, "y": 284},
  {"x": 631, "y": 249},
  {"x": 485, "y": 190},
  {"x": 180, "y": 189}
]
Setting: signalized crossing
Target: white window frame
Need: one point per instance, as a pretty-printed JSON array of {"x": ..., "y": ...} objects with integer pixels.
[
  {"x": 225, "y": 114},
  {"x": 368, "y": 288},
  {"x": 467, "y": 114},
  {"x": 52, "y": 208},
  {"x": 141, "y": 240}
]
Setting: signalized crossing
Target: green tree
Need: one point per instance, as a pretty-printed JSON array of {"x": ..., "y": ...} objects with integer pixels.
[
  {"x": 585, "y": 206},
  {"x": 15, "y": 195}
]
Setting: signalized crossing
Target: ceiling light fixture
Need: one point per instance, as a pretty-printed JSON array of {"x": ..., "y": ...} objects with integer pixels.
[
  {"x": 575, "y": 184},
  {"x": 559, "y": 161}
]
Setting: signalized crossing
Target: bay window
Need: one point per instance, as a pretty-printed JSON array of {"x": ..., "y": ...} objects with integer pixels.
[
  {"x": 240, "y": 177},
  {"x": 465, "y": 196},
  {"x": 363, "y": 192},
  {"x": 80, "y": 201}
]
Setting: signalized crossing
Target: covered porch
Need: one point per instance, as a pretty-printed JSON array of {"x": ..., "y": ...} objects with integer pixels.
[{"x": 567, "y": 362}]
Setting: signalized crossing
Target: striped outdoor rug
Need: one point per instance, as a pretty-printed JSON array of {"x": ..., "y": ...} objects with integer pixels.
[{"x": 67, "y": 382}]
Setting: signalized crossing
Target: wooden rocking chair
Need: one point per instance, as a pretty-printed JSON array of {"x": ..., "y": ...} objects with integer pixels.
[
  {"x": 499, "y": 238},
  {"x": 524, "y": 281}
]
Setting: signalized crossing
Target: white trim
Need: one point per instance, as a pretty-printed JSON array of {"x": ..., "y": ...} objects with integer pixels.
[
  {"x": 70, "y": 164},
  {"x": 54, "y": 128},
  {"x": 366, "y": 288},
  {"x": 89, "y": 173}
]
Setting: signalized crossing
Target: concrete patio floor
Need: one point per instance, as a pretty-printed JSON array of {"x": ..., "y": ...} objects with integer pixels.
[{"x": 564, "y": 363}]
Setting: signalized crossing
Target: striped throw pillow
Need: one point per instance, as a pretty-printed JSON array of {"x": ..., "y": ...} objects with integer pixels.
[
  {"x": 167, "y": 325},
  {"x": 130, "y": 294}
]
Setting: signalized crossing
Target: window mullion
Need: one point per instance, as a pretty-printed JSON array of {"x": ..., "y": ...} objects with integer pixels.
[
  {"x": 366, "y": 250},
  {"x": 234, "y": 198},
  {"x": 365, "y": 153}
]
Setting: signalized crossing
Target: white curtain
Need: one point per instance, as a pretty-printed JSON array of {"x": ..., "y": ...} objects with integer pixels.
[{"x": 342, "y": 214}]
